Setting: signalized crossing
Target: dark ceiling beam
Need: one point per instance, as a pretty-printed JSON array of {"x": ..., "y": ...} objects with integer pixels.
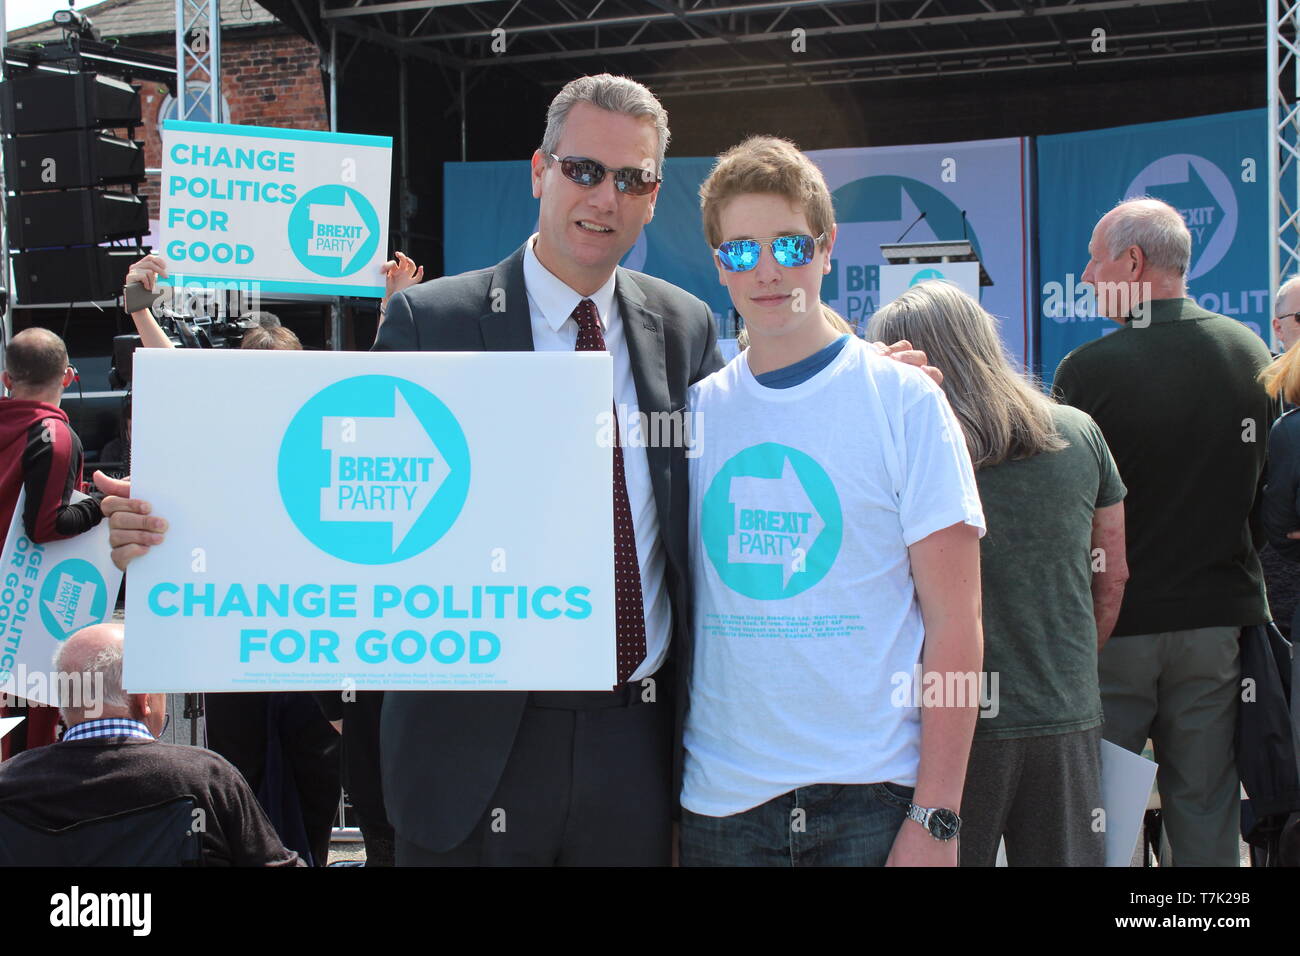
[{"x": 810, "y": 32}]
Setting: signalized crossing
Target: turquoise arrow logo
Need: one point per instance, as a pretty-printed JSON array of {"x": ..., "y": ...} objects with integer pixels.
[{"x": 782, "y": 536}]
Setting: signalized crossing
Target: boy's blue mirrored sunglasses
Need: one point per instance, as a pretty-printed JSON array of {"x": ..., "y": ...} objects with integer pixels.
[{"x": 741, "y": 255}]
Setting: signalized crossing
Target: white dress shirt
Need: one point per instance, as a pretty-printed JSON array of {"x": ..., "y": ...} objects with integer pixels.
[{"x": 550, "y": 307}]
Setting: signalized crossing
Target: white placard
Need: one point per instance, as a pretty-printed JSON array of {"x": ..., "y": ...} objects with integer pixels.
[
  {"x": 1126, "y": 780},
  {"x": 274, "y": 210},
  {"x": 393, "y": 520},
  {"x": 47, "y": 593}
]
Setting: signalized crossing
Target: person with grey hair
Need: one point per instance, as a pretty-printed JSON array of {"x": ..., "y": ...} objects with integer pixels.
[
  {"x": 582, "y": 778},
  {"x": 578, "y": 778},
  {"x": 110, "y": 762},
  {"x": 1176, "y": 394},
  {"x": 1054, "y": 501}
]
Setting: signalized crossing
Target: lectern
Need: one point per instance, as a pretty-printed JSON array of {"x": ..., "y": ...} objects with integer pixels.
[{"x": 913, "y": 262}]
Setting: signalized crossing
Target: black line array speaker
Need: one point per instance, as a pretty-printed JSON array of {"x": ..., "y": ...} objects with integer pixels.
[
  {"x": 75, "y": 183},
  {"x": 80, "y": 274},
  {"x": 83, "y": 217},
  {"x": 71, "y": 160},
  {"x": 44, "y": 100}
]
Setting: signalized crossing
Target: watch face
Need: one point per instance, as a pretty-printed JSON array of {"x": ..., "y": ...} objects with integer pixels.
[{"x": 944, "y": 824}]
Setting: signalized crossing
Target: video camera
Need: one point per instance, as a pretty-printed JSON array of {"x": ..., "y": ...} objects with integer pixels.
[{"x": 192, "y": 319}]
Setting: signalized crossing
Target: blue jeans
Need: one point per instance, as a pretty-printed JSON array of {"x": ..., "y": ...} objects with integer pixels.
[{"x": 825, "y": 824}]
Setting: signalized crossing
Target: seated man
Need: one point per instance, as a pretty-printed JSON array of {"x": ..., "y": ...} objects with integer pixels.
[{"x": 110, "y": 762}]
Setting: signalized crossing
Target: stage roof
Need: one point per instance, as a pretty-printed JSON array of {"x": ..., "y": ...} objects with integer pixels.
[{"x": 696, "y": 47}]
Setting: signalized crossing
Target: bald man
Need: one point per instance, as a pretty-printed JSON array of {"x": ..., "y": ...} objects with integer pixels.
[
  {"x": 39, "y": 451},
  {"x": 1176, "y": 394},
  {"x": 110, "y": 762},
  {"x": 1286, "y": 314}
]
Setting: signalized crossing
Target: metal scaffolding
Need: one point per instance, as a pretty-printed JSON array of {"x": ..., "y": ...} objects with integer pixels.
[
  {"x": 198, "y": 58},
  {"x": 1283, "y": 142}
]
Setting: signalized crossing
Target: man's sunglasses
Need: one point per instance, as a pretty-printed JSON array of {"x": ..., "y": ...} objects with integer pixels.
[
  {"x": 629, "y": 180},
  {"x": 741, "y": 255}
]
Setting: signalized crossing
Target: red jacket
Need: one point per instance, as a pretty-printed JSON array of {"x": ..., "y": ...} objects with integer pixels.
[{"x": 40, "y": 451}]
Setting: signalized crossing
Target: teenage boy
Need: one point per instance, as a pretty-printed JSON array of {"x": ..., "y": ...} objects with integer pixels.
[{"x": 835, "y": 548}]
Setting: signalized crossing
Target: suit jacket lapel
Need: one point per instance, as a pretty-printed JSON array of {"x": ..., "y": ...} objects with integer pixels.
[
  {"x": 644, "y": 331},
  {"x": 507, "y": 326}
]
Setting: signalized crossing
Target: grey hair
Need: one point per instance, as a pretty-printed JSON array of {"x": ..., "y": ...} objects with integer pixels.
[
  {"x": 107, "y": 663},
  {"x": 1002, "y": 414},
  {"x": 617, "y": 94},
  {"x": 1156, "y": 228}
]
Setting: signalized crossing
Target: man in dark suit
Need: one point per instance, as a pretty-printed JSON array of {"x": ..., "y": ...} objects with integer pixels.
[{"x": 568, "y": 778}]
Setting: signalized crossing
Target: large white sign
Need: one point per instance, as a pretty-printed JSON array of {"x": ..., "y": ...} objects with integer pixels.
[
  {"x": 274, "y": 210},
  {"x": 373, "y": 521},
  {"x": 47, "y": 593}
]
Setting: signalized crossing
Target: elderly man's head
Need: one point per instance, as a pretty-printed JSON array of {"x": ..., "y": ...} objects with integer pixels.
[
  {"x": 1139, "y": 251},
  {"x": 90, "y": 662}
]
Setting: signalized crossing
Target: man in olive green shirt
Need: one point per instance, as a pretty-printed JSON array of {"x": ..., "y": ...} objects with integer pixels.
[{"x": 1175, "y": 394}]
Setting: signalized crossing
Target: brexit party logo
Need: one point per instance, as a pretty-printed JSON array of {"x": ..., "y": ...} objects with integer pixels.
[
  {"x": 1205, "y": 198},
  {"x": 875, "y": 211},
  {"x": 771, "y": 522},
  {"x": 73, "y": 596},
  {"x": 1203, "y": 195},
  {"x": 374, "y": 469},
  {"x": 333, "y": 230}
]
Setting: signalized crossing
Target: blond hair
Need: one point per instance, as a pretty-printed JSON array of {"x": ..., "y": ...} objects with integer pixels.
[
  {"x": 1002, "y": 414},
  {"x": 1282, "y": 376},
  {"x": 772, "y": 166}
]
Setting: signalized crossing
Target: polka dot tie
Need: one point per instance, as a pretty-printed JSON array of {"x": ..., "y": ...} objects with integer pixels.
[{"x": 629, "y": 606}]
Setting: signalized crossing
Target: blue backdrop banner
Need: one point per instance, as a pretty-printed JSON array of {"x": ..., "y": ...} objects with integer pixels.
[
  {"x": 1213, "y": 169},
  {"x": 878, "y": 192}
]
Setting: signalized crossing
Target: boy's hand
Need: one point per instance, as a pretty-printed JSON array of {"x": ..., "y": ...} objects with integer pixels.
[{"x": 915, "y": 847}]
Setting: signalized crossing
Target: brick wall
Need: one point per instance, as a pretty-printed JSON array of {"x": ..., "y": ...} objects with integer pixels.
[{"x": 269, "y": 78}]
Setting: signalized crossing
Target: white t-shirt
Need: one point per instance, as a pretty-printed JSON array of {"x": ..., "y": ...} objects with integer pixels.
[{"x": 804, "y": 502}]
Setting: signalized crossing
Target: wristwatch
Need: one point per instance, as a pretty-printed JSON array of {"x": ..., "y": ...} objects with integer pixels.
[{"x": 943, "y": 824}]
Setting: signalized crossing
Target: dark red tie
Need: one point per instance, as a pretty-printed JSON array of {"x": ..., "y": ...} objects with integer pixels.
[{"x": 629, "y": 606}]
